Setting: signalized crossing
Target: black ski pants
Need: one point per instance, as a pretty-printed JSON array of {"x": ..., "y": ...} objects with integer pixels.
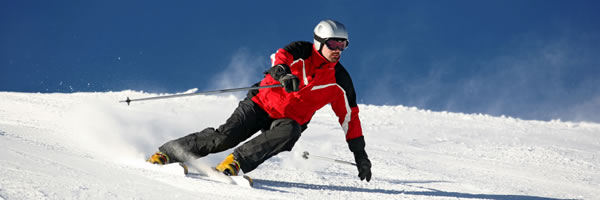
[{"x": 276, "y": 135}]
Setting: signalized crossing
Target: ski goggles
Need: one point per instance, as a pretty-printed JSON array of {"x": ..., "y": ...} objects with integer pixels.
[{"x": 336, "y": 43}]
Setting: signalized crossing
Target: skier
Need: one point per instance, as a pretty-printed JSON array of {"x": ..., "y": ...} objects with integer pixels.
[{"x": 312, "y": 77}]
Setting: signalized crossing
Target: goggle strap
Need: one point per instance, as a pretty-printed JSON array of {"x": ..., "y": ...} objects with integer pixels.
[{"x": 320, "y": 39}]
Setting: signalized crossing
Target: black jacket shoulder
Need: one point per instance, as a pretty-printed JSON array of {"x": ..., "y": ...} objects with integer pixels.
[{"x": 299, "y": 49}]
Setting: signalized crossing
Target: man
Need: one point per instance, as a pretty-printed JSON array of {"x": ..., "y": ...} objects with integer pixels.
[{"x": 312, "y": 77}]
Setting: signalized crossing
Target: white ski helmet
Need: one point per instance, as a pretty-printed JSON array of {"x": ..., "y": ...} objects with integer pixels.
[{"x": 328, "y": 29}]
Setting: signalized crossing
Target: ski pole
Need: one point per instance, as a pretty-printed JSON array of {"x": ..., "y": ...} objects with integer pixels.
[
  {"x": 128, "y": 100},
  {"x": 306, "y": 154}
]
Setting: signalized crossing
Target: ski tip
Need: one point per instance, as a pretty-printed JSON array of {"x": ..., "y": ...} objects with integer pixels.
[
  {"x": 185, "y": 168},
  {"x": 250, "y": 181}
]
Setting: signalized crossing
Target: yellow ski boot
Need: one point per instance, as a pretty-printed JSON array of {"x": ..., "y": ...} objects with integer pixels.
[
  {"x": 229, "y": 166},
  {"x": 159, "y": 158}
]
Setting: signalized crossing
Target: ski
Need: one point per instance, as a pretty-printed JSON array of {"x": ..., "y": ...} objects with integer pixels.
[
  {"x": 192, "y": 170},
  {"x": 195, "y": 171}
]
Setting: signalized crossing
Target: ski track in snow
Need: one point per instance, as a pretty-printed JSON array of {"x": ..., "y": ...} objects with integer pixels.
[{"x": 88, "y": 146}]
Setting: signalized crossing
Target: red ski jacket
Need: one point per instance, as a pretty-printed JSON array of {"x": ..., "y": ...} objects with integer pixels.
[{"x": 321, "y": 83}]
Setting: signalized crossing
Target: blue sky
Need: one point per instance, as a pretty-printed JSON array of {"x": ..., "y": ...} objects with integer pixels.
[{"x": 525, "y": 59}]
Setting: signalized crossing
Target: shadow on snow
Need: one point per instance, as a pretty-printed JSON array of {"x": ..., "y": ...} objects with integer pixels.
[{"x": 272, "y": 185}]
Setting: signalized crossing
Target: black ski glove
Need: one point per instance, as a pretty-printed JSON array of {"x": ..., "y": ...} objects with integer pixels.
[
  {"x": 289, "y": 82},
  {"x": 363, "y": 164},
  {"x": 279, "y": 71},
  {"x": 283, "y": 74},
  {"x": 357, "y": 146}
]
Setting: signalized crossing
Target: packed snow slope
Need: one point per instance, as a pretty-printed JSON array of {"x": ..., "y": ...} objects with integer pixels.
[{"x": 89, "y": 146}]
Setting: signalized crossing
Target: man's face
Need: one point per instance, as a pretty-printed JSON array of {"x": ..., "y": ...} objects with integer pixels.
[
  {"x": 331, "y": 55},
  {"x": 333, "y": 48}
]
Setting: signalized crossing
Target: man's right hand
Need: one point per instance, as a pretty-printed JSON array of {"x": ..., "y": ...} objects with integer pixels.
[
  {"x": 364, "y": 165},
  {"x": 290, "y": 82}
]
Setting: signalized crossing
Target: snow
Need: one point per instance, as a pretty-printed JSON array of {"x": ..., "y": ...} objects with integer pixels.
[{"x": 89, "y": 146}]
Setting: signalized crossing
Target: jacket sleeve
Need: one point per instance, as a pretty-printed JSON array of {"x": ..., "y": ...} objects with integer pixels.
[
  {"x": 345, "y": 106},
  {"x": 291, "y": 52},
  {"x": 281, "y": 57},
  {"x": 348, "y": 118}
]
